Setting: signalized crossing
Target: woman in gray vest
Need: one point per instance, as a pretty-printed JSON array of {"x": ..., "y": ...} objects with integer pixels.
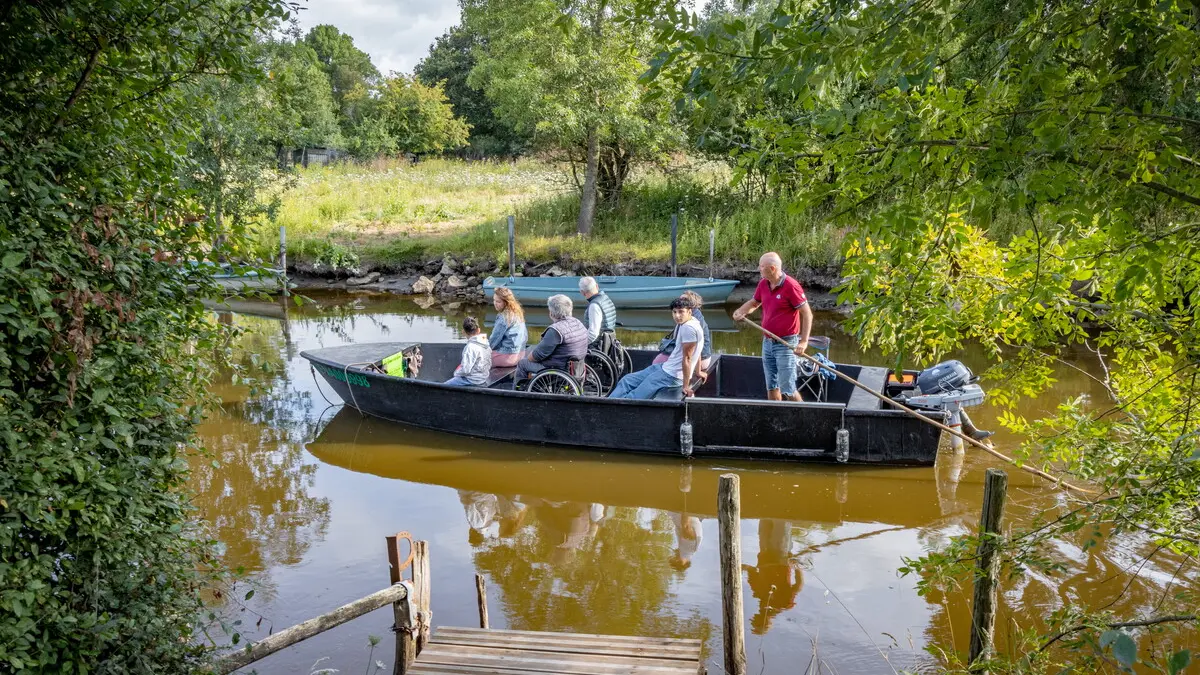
[
  {"x": 566, "y": 338},
  {"x": 601, "y": 312}
]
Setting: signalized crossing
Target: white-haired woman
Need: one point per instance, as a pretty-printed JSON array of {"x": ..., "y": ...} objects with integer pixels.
[{"x": 566, "y": 338}]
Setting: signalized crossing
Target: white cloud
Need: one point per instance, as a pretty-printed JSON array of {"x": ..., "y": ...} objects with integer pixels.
[{"x": 396, "y": 33}]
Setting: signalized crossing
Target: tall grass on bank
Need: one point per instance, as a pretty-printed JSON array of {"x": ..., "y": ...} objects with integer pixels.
[{"x": 398, "y": 213}]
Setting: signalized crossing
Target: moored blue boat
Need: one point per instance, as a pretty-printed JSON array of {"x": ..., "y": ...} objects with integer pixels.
[{"x": 624, "y": 291}]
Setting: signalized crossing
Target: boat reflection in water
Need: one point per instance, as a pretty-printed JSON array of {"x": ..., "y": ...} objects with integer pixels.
[{"x": 562, "y": 531}]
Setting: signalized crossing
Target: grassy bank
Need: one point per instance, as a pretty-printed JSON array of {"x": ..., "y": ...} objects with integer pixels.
[{"x": 393, "y": 213}]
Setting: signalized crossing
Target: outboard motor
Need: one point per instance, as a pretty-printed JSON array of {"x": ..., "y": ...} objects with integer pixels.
[
  {"x": 945, "y": 376},
  {"x": 949, "y": 386}
]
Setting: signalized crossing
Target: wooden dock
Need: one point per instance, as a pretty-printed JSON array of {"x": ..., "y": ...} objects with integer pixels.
[{"x": 458, "y": 651}]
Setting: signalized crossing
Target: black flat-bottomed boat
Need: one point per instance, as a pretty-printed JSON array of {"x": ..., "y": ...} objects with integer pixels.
[{"x": 729, "y": 416}]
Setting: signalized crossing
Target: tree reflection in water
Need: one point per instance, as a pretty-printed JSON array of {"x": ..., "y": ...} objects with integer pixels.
[
  {"x": 252, "y": 484},
  {"x": 560, "y": 565}
]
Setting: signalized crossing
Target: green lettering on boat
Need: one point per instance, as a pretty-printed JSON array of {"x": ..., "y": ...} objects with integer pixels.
[{"x": 356, "y": 379}]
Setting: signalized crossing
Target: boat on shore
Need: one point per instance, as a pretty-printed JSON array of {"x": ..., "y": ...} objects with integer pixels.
[
  {"x": 625, "y": 291},
  {"x": 651, "y": 320},
  {"x": 728, "y": 416},
  {"x": 235, "y": 280}
]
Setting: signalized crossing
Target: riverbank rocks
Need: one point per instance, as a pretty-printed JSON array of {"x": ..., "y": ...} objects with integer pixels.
[
  {"x": 363, "y": 280},
  {"x": 449, "y": 267},
  {"x": 455, "y": 283},
  {"x": 423, "y": 285}
]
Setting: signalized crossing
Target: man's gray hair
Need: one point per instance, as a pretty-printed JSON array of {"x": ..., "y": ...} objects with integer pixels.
[
  {"x": 588, "y": 285},
  {"x": 560, "y": 307},
  {"x": 773, "y": 259}
]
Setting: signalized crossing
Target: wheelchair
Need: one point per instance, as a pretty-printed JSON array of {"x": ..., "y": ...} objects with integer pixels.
[
  {"x": 609, "y": 359},
  {"x": 576, "y": 380}
]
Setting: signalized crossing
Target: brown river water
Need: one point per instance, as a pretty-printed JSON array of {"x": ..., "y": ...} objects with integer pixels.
[{"x": 304, "y": 493}]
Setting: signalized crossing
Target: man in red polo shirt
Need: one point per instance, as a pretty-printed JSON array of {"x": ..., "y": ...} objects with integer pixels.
[{"x": 785, "y": 313}]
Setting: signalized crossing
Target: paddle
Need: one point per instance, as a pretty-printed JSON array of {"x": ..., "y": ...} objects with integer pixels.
[{"x": 986, "y": 447}]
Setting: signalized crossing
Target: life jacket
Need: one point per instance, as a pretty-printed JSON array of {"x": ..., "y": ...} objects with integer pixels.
[
  {"x": 573, "y": 342},
  {"x": 608, "y": 308}
]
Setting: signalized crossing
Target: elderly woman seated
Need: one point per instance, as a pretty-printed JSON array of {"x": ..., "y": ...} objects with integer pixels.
[{"x": 566, "y": 338}]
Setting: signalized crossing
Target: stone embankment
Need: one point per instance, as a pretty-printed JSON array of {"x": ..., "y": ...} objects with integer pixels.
[{"x": 450, "y": 278}]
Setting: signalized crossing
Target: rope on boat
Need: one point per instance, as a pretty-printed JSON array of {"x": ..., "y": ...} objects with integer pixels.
[
  {"x": 350, "y": 387},
  {"x": 954, "y": 432},
  {"x": 317, "y": 380}
]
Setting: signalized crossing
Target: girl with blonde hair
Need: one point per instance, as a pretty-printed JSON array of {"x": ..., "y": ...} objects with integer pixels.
[{"x": 509, "y": 334}]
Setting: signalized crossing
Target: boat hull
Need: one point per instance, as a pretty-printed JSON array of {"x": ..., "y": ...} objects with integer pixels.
[
  {"x": 722, "y": 426},
  {"x": 626, "y": 292}
]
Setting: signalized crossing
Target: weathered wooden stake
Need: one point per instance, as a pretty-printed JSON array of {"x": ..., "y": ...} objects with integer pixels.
[
  {"x": 406, "y": 645},
  {"x": 674, "y": 240},
  {"x": 512, "y": 248},
  {"x": 481, "y": 590},
  {"x": 983, "y": 610},
  {"x": 421, "y": 582},
  {"x": 283, "y": 259},
  {"x": 729, "y": 517}
]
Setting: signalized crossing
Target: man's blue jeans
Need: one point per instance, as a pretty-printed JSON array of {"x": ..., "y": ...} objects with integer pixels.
[
  {"x": 645, "y": 383},
  {"x": 779, "y": 365}
]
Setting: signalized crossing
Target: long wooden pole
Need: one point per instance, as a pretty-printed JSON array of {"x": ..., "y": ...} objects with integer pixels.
[
  {"x": 729, "y": 518},
  {"x": 481, "y": 591},
  {"x": 303, "y": 631},
  {"x": 954, "y": 432},
  {"x": 983, "y": 609}
]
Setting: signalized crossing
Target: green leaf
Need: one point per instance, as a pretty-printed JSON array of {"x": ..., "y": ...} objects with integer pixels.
[
  {"x": 1124, "y": 648},
  {"x": 12, "y": 259},
  {"x": 1178, "y": 661},
  {"x": 249, "y": 594}
]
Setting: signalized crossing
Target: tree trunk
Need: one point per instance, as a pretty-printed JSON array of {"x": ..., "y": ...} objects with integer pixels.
[
  {"x": 587, "y": 201},
  {"x": 613, "y": 170}
]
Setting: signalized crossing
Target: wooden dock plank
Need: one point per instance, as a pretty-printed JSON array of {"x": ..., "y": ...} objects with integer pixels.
[
  {"x": 550, "y": 661},
  {"x": 665, "y": 648},
  {"x": 613, "y": 639},
  {"x": 457, "y": 651}
]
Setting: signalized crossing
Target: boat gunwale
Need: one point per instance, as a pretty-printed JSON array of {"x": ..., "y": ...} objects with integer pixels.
[
  {"x": 702, "y": 283},
  {"x": 408, "y": 381}
]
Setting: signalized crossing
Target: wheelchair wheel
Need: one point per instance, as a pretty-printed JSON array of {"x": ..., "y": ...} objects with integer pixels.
[
  {"x": 604, "y": 369},
  {"x": 591, "y": 384},
  {"x": 553, "y": 382},
  {"x": 623, "y": 361}
]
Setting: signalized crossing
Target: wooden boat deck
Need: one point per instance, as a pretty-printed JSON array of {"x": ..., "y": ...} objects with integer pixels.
[{"x": 458, "y": 651}]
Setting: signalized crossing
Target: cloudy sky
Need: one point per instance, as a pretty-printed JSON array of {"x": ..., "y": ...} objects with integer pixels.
[{"x": 396, "y": 33}]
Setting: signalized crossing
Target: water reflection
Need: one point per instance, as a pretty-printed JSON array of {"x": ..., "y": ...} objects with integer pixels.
[{"x": 604, "y": 542}]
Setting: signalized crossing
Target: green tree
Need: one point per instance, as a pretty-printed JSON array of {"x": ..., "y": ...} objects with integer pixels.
[
  {"x": 100, "y": 336},
  {"x": 418, "y": 117},
  {"x": 232, "y": 158},
  {"x": 568, "y": 74},
  {"x": 450, "y": 61},
  {"x": 1025, "y": 176},
  {"x": 348, "y": 68},
  {"x": 300, "y": 109}
]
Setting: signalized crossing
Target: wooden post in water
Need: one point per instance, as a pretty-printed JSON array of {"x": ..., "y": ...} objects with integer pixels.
[
  {"x": 421, "y": 584},
  {"x": 674, "y": 240},
  {"x": 729, "y": 518},
  {"x": 983, "y": 609},
  {"x": 481, "y": 591},
  {"x": 404, "y": 621},
  {"x": 512, "y": 248},
  {"x": 283, "y": 259}
]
